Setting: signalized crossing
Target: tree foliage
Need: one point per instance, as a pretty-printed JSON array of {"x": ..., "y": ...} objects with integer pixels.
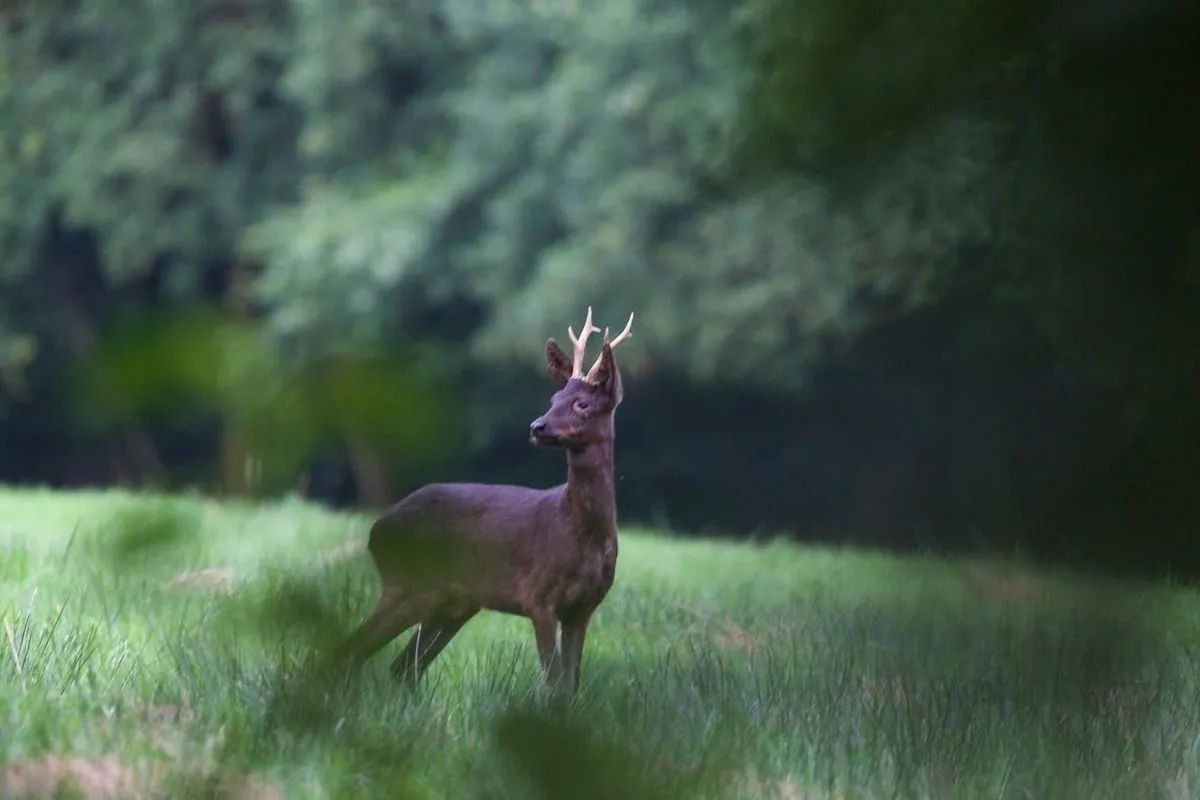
[
  {"x": 379, "y": 159},
  {"x": 586, "y": 159},
  {"x": 762, "y": 182},
  {"x": 118, "y": 118},
  {"x": 1092, "y": 175}
]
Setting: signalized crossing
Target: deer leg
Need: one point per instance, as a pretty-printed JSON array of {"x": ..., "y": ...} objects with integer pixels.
[
  {"x": 390, "y": 618},
  {"x": 427, "y": 643},
  {"x": 545, "y": 628},
  {"x": 574, "y": 633}
]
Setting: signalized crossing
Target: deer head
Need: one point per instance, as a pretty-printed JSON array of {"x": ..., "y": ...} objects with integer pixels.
[{"x": 581, "y": 410}]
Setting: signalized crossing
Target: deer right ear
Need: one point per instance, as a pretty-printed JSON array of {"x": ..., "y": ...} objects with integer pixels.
[
  {"x": 608, "y": 375},
  {"x": 558, "y": 365}
]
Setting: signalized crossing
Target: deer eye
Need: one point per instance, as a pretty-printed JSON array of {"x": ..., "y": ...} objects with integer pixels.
[{"x": 582, "y": 406}]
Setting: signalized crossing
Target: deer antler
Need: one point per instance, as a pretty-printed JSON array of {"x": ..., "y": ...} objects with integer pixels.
[
  {"x": 622, "y": 336},
  {"x": 580, "y": 344}
]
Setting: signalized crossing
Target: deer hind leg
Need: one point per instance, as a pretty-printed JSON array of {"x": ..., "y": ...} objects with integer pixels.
[
  {"x": 393, "y": 615},
  {"x": 436, "y": 631}
]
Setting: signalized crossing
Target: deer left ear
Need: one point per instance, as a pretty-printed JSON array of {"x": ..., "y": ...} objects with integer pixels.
[
  {"x": 608, "y": 376},
  {"x": 557, "y": 364}
]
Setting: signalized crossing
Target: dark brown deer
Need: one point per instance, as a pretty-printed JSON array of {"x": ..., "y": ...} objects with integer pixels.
[{"x": 449, "y": 550}]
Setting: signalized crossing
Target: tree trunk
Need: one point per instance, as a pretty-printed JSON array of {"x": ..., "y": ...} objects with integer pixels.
[
  {"x": 134, "y": 453},
  {"x": 370, "y": 474}
]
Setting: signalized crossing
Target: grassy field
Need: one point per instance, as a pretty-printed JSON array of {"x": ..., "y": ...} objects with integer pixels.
[{"x": 156, "y": 646}]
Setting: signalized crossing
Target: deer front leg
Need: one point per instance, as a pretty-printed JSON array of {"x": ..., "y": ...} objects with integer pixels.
[
  {"x": 545, "y": 628},
  {"x": 574, "y": 633}
]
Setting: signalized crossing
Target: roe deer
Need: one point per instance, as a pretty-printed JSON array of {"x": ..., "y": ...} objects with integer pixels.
[{"x": 449, "y": 550}]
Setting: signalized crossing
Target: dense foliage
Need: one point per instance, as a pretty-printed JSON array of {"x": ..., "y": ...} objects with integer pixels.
[{"x": 440, "y": 186}]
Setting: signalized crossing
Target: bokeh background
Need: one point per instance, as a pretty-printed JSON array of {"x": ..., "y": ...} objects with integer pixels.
[{"x": 917, "y": 275}]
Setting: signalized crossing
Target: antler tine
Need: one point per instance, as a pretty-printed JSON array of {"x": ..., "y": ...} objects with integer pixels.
[
  {"x": 622, "y": 336},
  {"x": 579, "y": 343}
]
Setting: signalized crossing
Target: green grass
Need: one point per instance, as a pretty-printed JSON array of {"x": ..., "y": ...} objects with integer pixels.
[{"x": 713, "y": 670}]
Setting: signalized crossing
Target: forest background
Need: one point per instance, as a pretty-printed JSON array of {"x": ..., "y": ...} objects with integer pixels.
[{"x": 906, "y": 275}]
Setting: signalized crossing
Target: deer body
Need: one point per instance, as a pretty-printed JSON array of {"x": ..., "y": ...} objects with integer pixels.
[
  {"x": 525, "y": 558},
  {"x": 449, "y": 550}
]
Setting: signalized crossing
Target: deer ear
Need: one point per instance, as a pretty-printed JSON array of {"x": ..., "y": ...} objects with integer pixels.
[
  {"x": 608, "y": 377},
  {"x": 558, "y": 365}
]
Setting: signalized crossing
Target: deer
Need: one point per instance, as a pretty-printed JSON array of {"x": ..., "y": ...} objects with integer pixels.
[{"x": 450, "y": 550}]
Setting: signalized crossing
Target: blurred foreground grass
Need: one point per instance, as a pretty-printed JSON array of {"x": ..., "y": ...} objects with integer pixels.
[{"x": 156, "y": 646}]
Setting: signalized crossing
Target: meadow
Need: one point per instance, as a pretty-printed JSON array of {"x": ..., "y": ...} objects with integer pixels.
[{"x": 159, "y": 646}]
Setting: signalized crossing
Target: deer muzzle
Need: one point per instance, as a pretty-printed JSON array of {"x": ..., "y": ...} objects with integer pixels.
[{"x": 540, "y": 433}]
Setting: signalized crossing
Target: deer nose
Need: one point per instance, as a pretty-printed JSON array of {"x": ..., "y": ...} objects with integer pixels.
[{"x": 538, "y": 426}]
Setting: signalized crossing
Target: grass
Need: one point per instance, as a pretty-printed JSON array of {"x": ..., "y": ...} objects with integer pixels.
[{"x": 157, "y": 645}]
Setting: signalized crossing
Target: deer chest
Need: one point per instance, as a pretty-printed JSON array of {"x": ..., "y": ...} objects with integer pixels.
[{"x": 587, "y": 582}]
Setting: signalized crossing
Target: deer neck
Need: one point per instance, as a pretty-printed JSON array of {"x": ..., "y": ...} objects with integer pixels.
[{"x": 590, "y": 497}]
